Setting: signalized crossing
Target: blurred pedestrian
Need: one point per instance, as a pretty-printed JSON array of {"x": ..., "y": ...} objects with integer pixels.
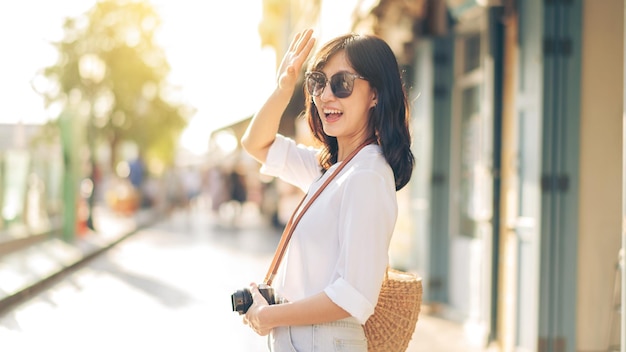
[
  {"x": 192, "y": 186},
  {"x": 238, "y": 189},
  {"x": 136, "y": 176},
  {"x": 174, "y": 190},
  {"x": 136, "y": 172},
  {"x": 218, "y": 186},
  {"x": 337, "y": 258},
  {"x": 238, "y": 195}
]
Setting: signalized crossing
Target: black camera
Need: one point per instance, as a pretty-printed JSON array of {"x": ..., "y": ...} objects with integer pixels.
[{"x": 242, "y": 299}]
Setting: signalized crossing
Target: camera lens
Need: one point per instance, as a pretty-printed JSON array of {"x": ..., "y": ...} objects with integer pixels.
[{"x": 241, "y": 301}]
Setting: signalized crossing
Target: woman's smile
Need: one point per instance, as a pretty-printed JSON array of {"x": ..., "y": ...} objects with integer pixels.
[{"x": 332, "y": 115}]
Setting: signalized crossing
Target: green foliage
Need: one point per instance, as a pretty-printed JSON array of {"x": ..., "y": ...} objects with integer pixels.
[{"x": 110, "y": 66}]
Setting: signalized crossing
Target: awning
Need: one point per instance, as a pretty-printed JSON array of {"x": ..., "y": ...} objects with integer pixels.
[
  {"x": 431, "y": 15},
  {"x": 459, "y": 7}
]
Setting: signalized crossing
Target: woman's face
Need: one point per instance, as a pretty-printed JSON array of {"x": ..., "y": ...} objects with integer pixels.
[{"x": 345, "y": 118}]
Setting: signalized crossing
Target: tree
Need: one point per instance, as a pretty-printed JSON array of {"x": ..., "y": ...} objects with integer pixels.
[
  {"x": 109, "y": 62},
  {"x": 112, "y": 75}
]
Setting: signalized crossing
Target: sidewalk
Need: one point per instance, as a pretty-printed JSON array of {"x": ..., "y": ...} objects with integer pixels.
[
  {"x": 435, "y": 334},
  {"x": 29, "y": 264}
]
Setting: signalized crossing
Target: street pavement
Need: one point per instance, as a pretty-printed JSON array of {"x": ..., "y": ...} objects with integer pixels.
[{"x": 167, "y": 288}]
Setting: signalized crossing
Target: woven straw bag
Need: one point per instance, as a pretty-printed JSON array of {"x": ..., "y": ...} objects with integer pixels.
[{"x": 391, "y": 326}]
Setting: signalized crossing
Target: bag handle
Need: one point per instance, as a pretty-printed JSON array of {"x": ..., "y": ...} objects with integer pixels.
[{"x": 293, "y": 220}]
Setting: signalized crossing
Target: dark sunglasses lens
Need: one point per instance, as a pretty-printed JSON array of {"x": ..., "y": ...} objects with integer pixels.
[
  {"x": 315, "y": 83},
  {"x": 342, "y": 85}
]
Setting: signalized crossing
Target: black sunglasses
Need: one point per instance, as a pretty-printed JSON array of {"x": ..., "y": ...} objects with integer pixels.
[{"x": 341, "y": 83}]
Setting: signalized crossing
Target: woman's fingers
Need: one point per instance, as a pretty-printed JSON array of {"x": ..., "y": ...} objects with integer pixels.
[
  {"x": 301, "y": 45},
  {"x": 304, "y": 39},
  {"x": 300, "y": 38},
  {"x": 251, "y": 319},
  {"x": 305, "y": 46},
  {"x": 294, "y": 58},
  {"x": 294, "y": 42},
  {"x": 301, "y": 52},
  {"x": 257, "y": 297}
]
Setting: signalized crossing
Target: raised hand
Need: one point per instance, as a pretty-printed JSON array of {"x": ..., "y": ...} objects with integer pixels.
[
  {"x": 261, "y": 131},
  {"x": 299, "y": 50}
]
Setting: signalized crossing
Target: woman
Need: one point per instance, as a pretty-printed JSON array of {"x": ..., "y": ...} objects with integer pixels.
[{"x": 337, "y": 257}]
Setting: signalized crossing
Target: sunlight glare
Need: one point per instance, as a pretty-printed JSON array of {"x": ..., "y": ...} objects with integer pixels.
[
  {"x": 26, "y": 28},
  {"x": 216, "y": 57},
  {"x": 213, "y": 48}
]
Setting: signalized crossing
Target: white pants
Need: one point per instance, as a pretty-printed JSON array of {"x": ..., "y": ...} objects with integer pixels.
[{"x": 341, "y": 335}]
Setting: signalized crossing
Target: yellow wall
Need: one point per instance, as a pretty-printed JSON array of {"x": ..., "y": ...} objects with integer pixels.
[{"x": 600, "y": 168}]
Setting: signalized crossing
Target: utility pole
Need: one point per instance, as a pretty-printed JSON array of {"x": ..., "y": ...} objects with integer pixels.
[{"x": 69, "y": 143}]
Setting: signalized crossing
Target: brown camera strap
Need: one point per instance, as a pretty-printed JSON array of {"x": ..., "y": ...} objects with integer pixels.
[{"x": 293, "y": 220}]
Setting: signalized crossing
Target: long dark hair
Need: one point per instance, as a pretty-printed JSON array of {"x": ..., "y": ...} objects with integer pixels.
[{"x": 372, "y": 58}]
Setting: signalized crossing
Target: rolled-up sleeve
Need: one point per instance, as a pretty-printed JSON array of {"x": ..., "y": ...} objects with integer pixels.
[
  {"x": 294, "y": 163},
  {"x": 343, "y": 294}
]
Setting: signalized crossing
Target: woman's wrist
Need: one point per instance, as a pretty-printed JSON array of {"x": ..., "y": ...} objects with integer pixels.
[
  {"x": 269, "y": 315},
  {"x": 284, "y": 92}
]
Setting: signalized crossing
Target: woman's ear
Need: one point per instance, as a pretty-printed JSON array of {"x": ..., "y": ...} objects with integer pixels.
[{"x": 374, "y": 100}]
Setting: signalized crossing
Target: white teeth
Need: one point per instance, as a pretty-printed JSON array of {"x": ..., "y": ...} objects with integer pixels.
[{"x": 332, "y": 112}]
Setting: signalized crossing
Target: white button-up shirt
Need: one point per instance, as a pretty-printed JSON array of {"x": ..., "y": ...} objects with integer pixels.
[{"x": 340, "y": 246}]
